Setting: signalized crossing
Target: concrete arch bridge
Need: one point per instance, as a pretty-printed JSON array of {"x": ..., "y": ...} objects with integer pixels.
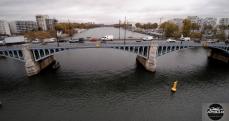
[{"x": 37, "y": 56}]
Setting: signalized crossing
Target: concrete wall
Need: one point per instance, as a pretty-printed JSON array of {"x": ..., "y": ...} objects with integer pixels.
[
  {"x": 150, "y": 62},
  {"x": 46, "y": 62},
  {"x": 217, "y": 55},
  {"x": 31, "y": 66}
]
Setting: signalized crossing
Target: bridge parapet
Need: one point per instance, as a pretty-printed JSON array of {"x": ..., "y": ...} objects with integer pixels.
[
  {"x": 164, "y": 48},
  {"x": 12, "y": 53},
  {"x": 150, "y": 61},
  {"x": 34, "y": 67}
]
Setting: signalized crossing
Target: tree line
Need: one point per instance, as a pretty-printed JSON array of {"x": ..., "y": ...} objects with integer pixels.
[
  {"x": 147, "y": 25},
  {"x": 68, "y": 28},
  {"x": 170, "y": 29}
]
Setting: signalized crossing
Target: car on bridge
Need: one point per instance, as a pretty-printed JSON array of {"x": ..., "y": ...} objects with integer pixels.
[
  {"x": 63, "y": 40},
  {"x": 185, "y": 39},
  {"x": 36, "y": 41},
  {"x": 49, "y": 40},
  {"x": 107, "y": 37},
  {"x": 93, "y": 39},
  {"x": 77, "y": 40},
  {"x": 14, "y": 40},
  {"x": 149, "y": 38},
  {"x": 171, "y": 40},
  {"x": 74, "y": 40},
  {"x": 212, "y": 41},
  {"x": 81, "y": 40},
  {"x": 2, "y": 43}
]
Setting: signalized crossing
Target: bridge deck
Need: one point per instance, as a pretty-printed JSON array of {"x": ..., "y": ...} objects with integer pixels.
[{"x": 41, "y": 51}]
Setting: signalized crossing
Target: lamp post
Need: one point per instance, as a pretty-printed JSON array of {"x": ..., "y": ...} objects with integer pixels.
[
  {"x": 58, "y": 35},
  {"x": 119, "y": 28},
  {"x": 125, "y": 31}
]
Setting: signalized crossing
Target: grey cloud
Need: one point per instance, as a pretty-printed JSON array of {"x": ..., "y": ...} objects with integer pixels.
[{"x": 111, "y": 11}]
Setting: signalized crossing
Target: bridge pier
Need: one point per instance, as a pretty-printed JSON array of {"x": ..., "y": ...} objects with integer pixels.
[
  {"x": 31, "y": 66},
  {"x": 150, "y": 62},
  {"x": 217, "y": 55}
]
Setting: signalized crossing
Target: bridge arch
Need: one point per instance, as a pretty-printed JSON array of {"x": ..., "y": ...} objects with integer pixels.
[
  {"x": 222, "y": 49},
  {"x": 165, "y": 49},
  {"x": 15, "y": 54}
]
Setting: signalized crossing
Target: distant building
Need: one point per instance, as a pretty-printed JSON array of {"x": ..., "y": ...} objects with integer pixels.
[
  {"x": 18, "y": 27},
  {"x": 44, "y": 23},
  {"x": 209, "y": 21},
  {"x": 224, "y": 21},
  {"x": 50, "y": 24},
  {"x": 4, "y": 28},
  {"x": 41, "y": 22},
  {"x": 195, "y": 19}
]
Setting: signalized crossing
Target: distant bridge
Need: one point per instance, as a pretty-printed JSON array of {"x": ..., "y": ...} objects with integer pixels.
[{"x": 38, "y": 56}]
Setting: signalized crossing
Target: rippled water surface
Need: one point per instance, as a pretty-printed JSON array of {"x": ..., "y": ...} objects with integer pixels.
[{"x": 108, "y": 85}]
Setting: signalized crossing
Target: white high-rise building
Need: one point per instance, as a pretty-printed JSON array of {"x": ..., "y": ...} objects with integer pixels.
[
  {"x": 50, "y": 24},
  {"x": 224, "y": 21},
  {"x": 209, "y": 21},
  {"x": 41, "y": 22},
  {"x": 4, "y": 28},
  {"x": 18, "y": 27}
]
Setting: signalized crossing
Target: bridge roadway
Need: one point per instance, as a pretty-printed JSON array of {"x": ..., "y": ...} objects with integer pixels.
[
  {"x": 140, "y": 48},
  {"x": 107, "y": 44},
  {"x": 110, "y": 44}
]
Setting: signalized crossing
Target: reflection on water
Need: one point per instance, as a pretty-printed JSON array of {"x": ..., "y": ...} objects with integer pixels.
[{"x": 109, "y": 85}]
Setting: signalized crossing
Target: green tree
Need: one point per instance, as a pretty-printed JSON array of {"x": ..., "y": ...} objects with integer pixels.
[
  {"x": 154, "y": 25},
  {"x": 39, "y": 35},
  {"x": 138, "y": 25},
  {"x": 207, "y": 27},
  {"x": 170, "y": 29},
  {"x": 177, "y": 35},
  {"x": 186, "y": 28},
  {"x": 220, "y": 36},
  {"x": 163, "y": 25},
  {"x": 147, "y": 25},
  {"x": 60, "y": 26},
  {"x": 196, "y": 35},
  {"x": 195, "y": 26}
]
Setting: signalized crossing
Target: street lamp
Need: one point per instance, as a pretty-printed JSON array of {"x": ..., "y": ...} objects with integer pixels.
[
  {"x": 119, "y": 28},
  {"x": 58, "y": 35},
  {"x": 125, "y": 31}
]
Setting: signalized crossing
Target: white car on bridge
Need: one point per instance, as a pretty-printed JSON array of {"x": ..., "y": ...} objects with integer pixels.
[
  {"x": 107, "y": 37},
  {"x": 149, "y": 38},
  {"x": 2, "y": 43},
  {"x": 182, "y": 38},
  {"x": 185, "y": 39},
  {"x": 170, "y": 40}
]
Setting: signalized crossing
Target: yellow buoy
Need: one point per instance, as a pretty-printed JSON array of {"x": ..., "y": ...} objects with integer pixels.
[{"x": 174, "y": 87}]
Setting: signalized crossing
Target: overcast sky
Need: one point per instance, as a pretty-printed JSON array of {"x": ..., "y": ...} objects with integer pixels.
[{"x": 110, "y": 11}]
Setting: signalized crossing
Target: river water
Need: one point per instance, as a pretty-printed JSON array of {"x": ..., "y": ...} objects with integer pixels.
[
  {"x": 103, "y": 31},
  {"x": 108, "y": 85}
]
